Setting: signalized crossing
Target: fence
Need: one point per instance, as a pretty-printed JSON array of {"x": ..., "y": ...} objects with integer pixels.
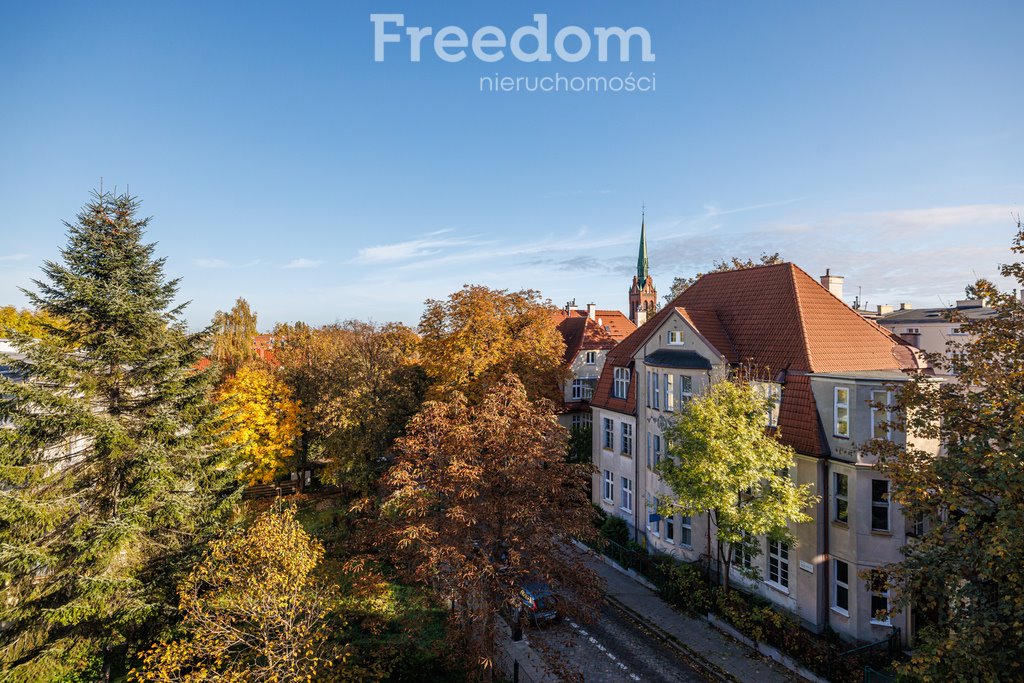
[{"x": 508, "y": 668}]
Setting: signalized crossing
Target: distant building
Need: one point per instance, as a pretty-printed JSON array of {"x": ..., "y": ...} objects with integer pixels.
[
  {"x": 643, "y": 297},
  {"x": 589, "y": 335},
  {"x": 826, "y": 366},
  {"x": 930, "y": 329}
]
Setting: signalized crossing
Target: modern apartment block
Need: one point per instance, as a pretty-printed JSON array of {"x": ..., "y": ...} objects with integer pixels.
[
  {"x": 930, "y": 329},
  {"x": 826, "y": 366}
]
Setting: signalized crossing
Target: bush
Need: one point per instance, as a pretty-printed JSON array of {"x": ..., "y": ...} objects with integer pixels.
[
  {"x": 615, "y": 530},
  {"x": 684, "y": 586}
]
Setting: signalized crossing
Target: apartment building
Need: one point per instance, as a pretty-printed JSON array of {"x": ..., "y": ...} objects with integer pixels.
[
  {"x": 930, "y": 329},
  {"x": 826, "y": 366},
  {"x": 589, "y": 335}
]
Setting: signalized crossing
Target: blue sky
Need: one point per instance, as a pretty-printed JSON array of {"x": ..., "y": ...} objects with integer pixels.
[{"x": 281, "y": 163}]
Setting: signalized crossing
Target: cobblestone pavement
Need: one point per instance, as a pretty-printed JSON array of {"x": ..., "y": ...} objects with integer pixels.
[{"x": 615, "y": 648}]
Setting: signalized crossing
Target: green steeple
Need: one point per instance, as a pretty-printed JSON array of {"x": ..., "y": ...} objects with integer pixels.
[{"x": 641, "y": 259}]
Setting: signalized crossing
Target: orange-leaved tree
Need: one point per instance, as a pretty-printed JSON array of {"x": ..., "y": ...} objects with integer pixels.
[
  {"x": 261, "y": 420},
  {"x": 483, "y": 502},
  {"x": 477, "y": 335},
  {"x": 254, "y": 609}
]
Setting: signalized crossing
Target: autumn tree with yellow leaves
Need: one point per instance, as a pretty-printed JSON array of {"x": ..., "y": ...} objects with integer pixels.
[
  {"x": 254, "y": 609},
  {"x": 261, "y": 420}
]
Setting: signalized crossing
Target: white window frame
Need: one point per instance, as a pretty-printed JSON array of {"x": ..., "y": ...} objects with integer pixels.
[
  {"x": 875, "y": 412},
  {"x": 778, "y": 553},
  {"x": 608, "y": 492},
  {"x": 838, "y": 405},
  {"x": 626, "y": 444},
  {"x": 670, "y": 393},
  {"x": 608, "y": 429},
  {"x": 590, "y": 357},
  {"x": 648, "y": 388},
  {"x": 620, "y": 382},
  {"x": 652, "y": 508},
  {"x": 874, "y": 620},
  {"x": 837, "y": 584},
  {"x": 880, "y": 504},
  {"x": 838, "y": 498},
  {"x": 685, "y": 389},
  {"x": 686, "y": 529},
  {"x": 655, "y": 391},
  {"x": 670, "y": 529},
  {"x": 741, "y": 559},
  {"x": 627, "y": 494},
  {"x": 656, "y": 440},
  {"x": 675, "y": 338}
]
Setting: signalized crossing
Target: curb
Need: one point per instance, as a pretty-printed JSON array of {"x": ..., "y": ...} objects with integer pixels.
[{"x": 706, "y": 667}]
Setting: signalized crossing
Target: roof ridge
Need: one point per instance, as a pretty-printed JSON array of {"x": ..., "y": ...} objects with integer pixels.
[{"x": 804, "y": 337}]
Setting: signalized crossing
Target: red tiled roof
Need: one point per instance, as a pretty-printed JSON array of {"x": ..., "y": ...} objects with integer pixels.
[
  {"x": 774, "y": 318},
  {"x": 581, "y": 333}
]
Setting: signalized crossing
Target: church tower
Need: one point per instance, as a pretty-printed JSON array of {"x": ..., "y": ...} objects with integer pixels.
[{"x": 643, "y": 298}]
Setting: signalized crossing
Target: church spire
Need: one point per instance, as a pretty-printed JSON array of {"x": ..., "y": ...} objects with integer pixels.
[{"x": 641, "y": 259}]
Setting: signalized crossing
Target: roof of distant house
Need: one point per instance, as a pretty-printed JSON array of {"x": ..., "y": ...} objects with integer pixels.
[
  {"x": 780, "y": 323},
  {"x": 924, "y": 316},
  {"x": 581, "y": 333}
]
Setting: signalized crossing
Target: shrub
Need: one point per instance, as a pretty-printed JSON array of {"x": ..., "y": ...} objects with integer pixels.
[
  {"x": 684, "y": 586},
  {"x": 615, "y": 530}
]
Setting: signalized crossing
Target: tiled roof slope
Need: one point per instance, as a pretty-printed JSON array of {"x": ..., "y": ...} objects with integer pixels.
[
  {"x": 776, "y": 318},
  {"x": 581, "y": 333},
  {"x": 710, "y": 327}
]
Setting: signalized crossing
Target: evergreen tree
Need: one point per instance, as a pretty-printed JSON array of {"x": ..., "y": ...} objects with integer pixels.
[{"x": 110, "y": 478}]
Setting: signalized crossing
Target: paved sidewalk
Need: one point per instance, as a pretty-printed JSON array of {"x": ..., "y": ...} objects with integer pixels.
[{"x": 725, "y": 656}]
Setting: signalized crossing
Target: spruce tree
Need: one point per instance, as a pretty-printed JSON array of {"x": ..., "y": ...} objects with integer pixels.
[{"x": 110, "y": 478}]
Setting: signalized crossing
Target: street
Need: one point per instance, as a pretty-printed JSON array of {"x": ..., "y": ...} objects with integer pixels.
[{"x": 614, "y": 648}]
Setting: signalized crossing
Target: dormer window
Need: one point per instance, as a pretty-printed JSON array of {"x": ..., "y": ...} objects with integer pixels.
[
  {"x": 675, "y": 337},
  {"x": 590, "y": 358},
  {"x": 620, "y": 386}
]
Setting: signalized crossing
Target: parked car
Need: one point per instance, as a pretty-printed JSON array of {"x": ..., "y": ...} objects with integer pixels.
[{"x": 539, "y": 603}]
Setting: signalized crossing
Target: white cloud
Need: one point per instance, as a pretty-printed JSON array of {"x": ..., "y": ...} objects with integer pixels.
[
  {"x": 211, "y": 263},
  {"x": 14, "y": 257},
  {"x": 300, "y": 263},
  {"x": 410, "y": 249}
]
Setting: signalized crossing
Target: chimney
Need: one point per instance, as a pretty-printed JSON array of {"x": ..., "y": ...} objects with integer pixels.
[
  {"x": 833, "y": 283},
  {"x": 592, "y": 311},
  {"x": 884, "y": 309},
  {"x": 905, "y": 306}
]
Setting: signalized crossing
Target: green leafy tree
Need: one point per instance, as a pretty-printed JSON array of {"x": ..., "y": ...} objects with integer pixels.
[
  {"x": 723, "y": 462},
  {"x": 233, "y": 335},
  {"x": 581, "y": 440},
  {"x": 32, "y": 323},
  {"x": 359, "y": 383},
  {"x": 110, "y": 478},
  {"x": 962, "y": 577},
  {"x": 681, "y": 284}
]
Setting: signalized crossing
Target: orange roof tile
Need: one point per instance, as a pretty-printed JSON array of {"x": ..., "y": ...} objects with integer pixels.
[{"x": 773, "y": 318}]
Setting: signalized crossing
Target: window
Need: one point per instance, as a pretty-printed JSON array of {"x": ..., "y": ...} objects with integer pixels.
[
  {"x": 655, "y": 392},
  {"x": 880, "y": 608},
  {"x": 915, "y": 526},
  {"x": 670, "y": 396},
  {"x": 670, "y": 528},
  {"x": 657, "y": 449},
  {"x": 648, "y": 388},
  {"x": 685, "y": 388},
  {"x": 841, "y": 496},
  {"x": 583, "y": 388},
  {"x": 956, "y": 331},
  {"x": 627, "y": 494},
  {"x": 650, "y": 463},
  {"x": 744, "y": 552},
  {"x": 620, "y": 386},
  {"x": 675, "y": 337},
  {"x": 842, "y": 412},
  {"x": 685, "y": 531},
  {"x": 665, "y": 388},
  {"x": 879, "y": 505},
  {"x": 912, "y": 330},
  {"x": 653, "y": 518},
  {"x": 773, "y": 392},
  {"x": 609, "y": 486},
  {"x": 778, "y": 564},
  {"x": 841, "y": 587},
  {"x": 609, "y": 434},
  {"x": 627, "y": 439},
  {"x": 880, "y": 417},
  {"x": 590, "y": 358},
  {"x": 580, "y": 420}
]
